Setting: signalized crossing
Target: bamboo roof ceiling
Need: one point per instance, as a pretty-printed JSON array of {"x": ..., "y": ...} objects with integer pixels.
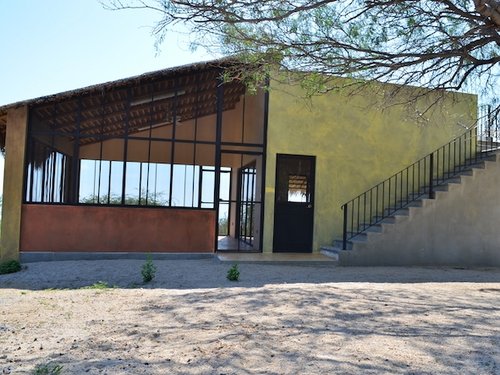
[{"x": 156, "y": 98}]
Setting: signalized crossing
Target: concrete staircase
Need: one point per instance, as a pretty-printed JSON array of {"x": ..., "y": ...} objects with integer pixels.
[{"x": 459, "y": 226}]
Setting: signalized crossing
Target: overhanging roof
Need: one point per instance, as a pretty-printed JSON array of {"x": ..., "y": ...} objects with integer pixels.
[{"x": 192, "y": 87}]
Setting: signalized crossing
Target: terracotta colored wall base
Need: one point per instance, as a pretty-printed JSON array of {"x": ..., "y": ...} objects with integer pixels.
[{"x": 126, "y": 229}]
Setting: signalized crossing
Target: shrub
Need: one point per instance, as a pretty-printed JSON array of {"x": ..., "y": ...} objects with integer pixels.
[
  {"x": 99, "y": 285},
  {"x": 233, "y": 274},
  {"x": 10, "y": 266},
  {"x": 47, "y": 369},
  {"x": 148, "y": 271}
]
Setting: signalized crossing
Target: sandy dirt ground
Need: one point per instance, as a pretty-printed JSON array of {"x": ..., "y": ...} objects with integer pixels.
[{"x": 278, "y": 319}]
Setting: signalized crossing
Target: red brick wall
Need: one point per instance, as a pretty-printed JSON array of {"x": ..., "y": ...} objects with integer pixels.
[{"x": 90, "y": 228}]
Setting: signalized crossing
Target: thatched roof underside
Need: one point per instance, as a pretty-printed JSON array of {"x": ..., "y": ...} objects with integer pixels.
[{"x": 185, "y": 93}]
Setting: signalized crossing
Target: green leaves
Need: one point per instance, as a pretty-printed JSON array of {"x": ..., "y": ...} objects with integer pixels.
[
  {"x": 148, "y": 270},
  {"x": 376, "y": 39},
  {"x": 10, "y": 266},
  {"x": 233, "y": 274}
]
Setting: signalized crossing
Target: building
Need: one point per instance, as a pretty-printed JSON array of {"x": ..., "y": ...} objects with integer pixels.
[{"x": 180, "y": 161}]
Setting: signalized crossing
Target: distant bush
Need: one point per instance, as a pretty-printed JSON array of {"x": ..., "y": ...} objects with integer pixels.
[
  {"x": 10, "y": 266},
  {"x": 233, "y": 274}
]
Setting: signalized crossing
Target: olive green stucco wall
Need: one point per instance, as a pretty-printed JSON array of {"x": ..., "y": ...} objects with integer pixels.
[{"x": 358, "y": 140}]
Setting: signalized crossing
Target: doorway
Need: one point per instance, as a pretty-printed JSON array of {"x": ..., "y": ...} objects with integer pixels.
[{"x": 294, "y": 203}]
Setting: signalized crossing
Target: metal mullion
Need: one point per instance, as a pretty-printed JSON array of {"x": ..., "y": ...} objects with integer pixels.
[
  {"x": 241, "y": 204},
  {"x": 64, "y": 166},
  {"x": 229, "y": 209},
  {"x": 52, "y": 192},
  {"x": 243, "y": 144},
  {"x": 151, "y": 106},
  {"x": 247, "y": 205},
  {"x": 238, "y": 152},
  {"x": 32, "y": 169},
  {"x": 184, "y": 187},
  {"x": 125, "y": 146},
  {"x": 103, "y": 116},
  {"x": 109, "y": 180},
  {"x": 99, "y": 178},
  {"x": 243, "y": 119},
  {"x": 218, "y": 137},
  {"x": 251, "y": 206},
  {"x": 59, "y": 190},
  {"x": 42, "y": 195},
  {"x": 172, "y": 149},
  {"x": 53, "y": 179},
  {"x": 107, "y": 137},
  {"x": 200, "y": 185},
  {"x": 75, "y": 170},
  {"x": 195, "y": 138},
  {"x": 140, "y": 182},
  {"x": 263, "y": 163},
  {"x": 68, "y": 161},
  {"x": 156, "y": 180},
  {"x": 94, "y": 181}
]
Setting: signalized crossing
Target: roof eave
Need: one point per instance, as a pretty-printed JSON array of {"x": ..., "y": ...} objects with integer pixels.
[{"x": 226, "y": 61}]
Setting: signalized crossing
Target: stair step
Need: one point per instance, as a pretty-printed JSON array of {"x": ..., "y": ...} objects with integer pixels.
[
  {"x": 338, "y": 244},
  {"x": 330, "y": 251},
  {"x": 393, "y": 211},
  {"x": 407, "y": 203},
  {"x": 444, "y": 187},
  {"x": 374, "y": 228}
]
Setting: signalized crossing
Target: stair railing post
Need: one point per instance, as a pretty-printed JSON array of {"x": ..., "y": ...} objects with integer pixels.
[
  {"x": 431, "y": 173},
  {"x": 344, "y": 235}
]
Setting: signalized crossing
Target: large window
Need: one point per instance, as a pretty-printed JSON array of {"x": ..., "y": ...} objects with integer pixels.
[{"x": 152, "y": 144}]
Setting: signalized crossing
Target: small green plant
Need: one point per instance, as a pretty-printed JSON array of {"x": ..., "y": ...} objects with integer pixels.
[
  {"x": 98, "y": 285},
  {"x": 10, "y": 266},
  {"x": 47, "y": 369},
  {"x": 233, "y": 274},
  {"x": 148, "y": 271}
]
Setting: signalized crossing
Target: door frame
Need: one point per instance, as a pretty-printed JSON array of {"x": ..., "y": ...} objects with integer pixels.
[{"x": 313, "y": 195}]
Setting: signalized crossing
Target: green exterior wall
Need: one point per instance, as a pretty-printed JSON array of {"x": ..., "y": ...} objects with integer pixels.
[
  {"x": 15, "y": 143},
  {"x": 358, "y": 140}
]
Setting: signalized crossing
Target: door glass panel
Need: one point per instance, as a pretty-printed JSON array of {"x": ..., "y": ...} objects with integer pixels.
[
  {"x": 298, "y": 189},
  {"x": 294, "y": 179}
]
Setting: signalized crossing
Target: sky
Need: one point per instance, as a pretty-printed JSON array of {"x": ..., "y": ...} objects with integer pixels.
[{"x": 52, "y": 46}]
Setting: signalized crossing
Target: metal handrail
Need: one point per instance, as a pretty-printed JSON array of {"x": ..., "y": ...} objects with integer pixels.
[{"x": 419, "y": 179}]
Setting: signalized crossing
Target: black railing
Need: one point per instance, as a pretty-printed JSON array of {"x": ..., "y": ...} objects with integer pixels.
[{"x": 420, "y": 179}]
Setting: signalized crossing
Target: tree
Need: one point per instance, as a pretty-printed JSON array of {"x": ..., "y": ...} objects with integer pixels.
[{"x": 437, "y": 44}]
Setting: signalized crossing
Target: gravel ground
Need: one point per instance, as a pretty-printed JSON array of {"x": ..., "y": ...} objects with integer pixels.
[{"x": 278, "y": 319}]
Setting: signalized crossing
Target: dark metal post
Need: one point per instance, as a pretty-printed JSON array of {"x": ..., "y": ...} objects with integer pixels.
[
  {"x": 344, "y": 236},
  {"x": 218, "y": 158},
  {"x": 431, "y": 172}
]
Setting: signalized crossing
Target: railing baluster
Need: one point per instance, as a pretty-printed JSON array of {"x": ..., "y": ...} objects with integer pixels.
[
  {"x": 364, "y": 211},
  {"x": 371, "y": 200},
  {"x": 344, "y": 235},
  {"x": 443, "y": 163},
  {"x": 431, "y": 172}
]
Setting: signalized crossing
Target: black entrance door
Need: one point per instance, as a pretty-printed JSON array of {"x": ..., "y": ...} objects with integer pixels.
[{"x": 294, "y": 204}]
